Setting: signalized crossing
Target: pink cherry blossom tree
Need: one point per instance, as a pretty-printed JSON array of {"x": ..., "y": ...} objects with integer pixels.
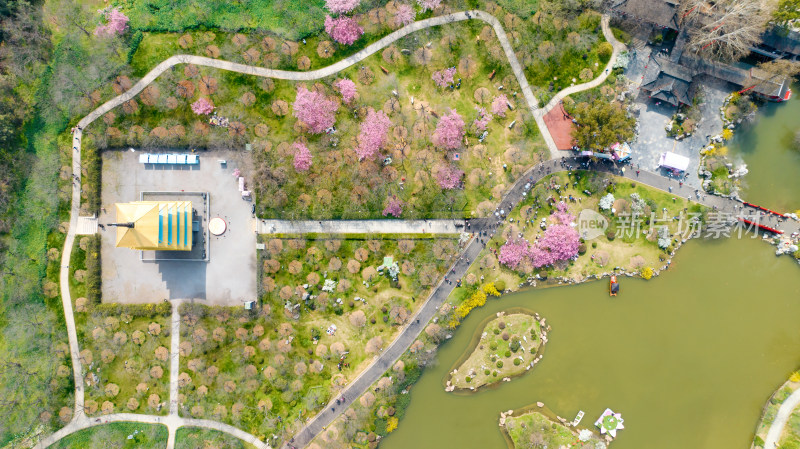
[
  {"x": 560, "y": 242},
  {"x": 116, "y": 23},
  {"x": 394, "y": 207},
  {"x": 405, "y": 14},
  {"x": 302, "y": 157},
  {"x": 513, "y": 252},
  {"x": 341, "y": 6},
  {"x": 428, "y": 4},
  {"x": 449, "y": 131},
  {"x": 203, "y": 106},
  {"x": 448, "y": 176},
  {"x": 483, "y": 119},
  {"x": 344, "y": 30},
  {"x": 373, "y": 134},
  {"x": 314, "y": 109},
  {"x": 445, "y": 77},
  {"x": 347, "y": 89},
  {"x": 500, "y": 105}
]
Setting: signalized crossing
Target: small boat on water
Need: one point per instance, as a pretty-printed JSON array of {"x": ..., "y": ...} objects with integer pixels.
[
  {"x": 578, "y": 418},
  {"x": 613, "y": 286}
]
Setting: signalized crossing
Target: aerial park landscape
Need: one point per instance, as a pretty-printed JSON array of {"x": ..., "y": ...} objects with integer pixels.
[{"x": 438, "y": 223}]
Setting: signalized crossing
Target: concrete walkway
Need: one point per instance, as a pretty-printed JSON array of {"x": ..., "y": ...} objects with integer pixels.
[
  {"x": 539, "y": 114},
  {"x": 618, "y": 46},
  {"x": 361, "y": 227},
  {"x": 174, "y": 367},
  {"x": 66, "y": 297},
  {"x": 784, "y": 413}
]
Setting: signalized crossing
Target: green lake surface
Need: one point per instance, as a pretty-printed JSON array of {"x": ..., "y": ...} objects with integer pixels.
[
  {"x": 688, "y": 358},
  {"x": 766, "y": 148}
]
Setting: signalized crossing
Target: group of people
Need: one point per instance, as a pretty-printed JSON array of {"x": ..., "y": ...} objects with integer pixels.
[{"x": 216, "y": 120}]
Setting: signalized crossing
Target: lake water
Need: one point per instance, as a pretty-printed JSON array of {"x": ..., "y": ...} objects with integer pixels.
[
  {"x": 688, "y": 358},
  {"x": 766, "y": 147}
]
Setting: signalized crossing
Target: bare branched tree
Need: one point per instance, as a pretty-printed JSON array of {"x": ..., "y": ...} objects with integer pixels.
[{"x": 725, "y": 29}]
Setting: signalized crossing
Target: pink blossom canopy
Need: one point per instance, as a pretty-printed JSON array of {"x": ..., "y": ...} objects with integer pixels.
[
  {"x": 302, "y": 157},
  {"x": 445, "y": 77},
  {"x": 483, "y": 119},
  {"x": 314, "y": 109},
  {"x": 500, "y": 105},
  {"x": 560, "y": 241},
  {"x": 449, "y": 131},
  {"x": 344, "y": 30},
  {"x": 394, "y": 207},
  {"x": 448, "y": 176},
  {"x": 513, "y": 252},
  {"x": 341, "y": 6},
  {"x": 405, "y": 14},
  {"x": 428, "y": 4},
  {"x": 373, "y": 134},
  {"x": 203, "y": 106},
  {"x": 347, "y": 89},
  {"x": 116, "y": 23}
]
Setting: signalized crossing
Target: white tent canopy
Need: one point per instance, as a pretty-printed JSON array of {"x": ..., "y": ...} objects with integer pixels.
[{"x": 673, "y": 161}]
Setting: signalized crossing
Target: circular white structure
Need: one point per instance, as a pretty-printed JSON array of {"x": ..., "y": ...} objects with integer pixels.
[{"x": 217, "y": 226}]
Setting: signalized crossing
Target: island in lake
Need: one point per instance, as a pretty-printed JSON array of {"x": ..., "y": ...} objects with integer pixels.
[{"x": 509, "y": 346}]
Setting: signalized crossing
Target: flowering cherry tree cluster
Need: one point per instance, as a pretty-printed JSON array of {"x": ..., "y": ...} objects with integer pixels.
[
  {"x": 302, "y": 157},
  {"x": 373, "y": 134},
  {"x": 347, "y": 89},
  {"x": 606, "y": 202},
  {"x": 344, "y": 30},
  {"x": 448, "y": 176},
  {"x": 405, "y": 14},
  {"x": 314, "y": 109},
  {"x": 116, "y": 23},
  {"x": 428, "y": 4},
  {"x": 500, "y": 105},
  {"x": 203, "y": 106},
  {"x": 445, "y": 77},
  {"x": 394, "y": 207},
  {"x": 341, "y": 6},
  {"x": 449, "y": 131},
  {"x": 560, "y": 241},
  {"x": 483, "y": 119},
  {"x": 513, "y": 252}
]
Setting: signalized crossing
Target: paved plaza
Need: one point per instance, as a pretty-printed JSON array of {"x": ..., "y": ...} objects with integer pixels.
[
  {"x": 652, "y": 138},
  {"x": 229, "y": 275}
]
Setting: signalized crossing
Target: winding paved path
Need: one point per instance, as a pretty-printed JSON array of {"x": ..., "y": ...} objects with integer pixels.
[
  {"x": 409, "y": 334},
  {"x": 360, "y": 226},
  {"x": 784, "y": 413}
]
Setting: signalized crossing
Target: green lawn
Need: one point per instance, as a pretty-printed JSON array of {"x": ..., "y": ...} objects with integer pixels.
[
  {"x": 121, "y": 435},
  {"x": 125, "y": 348},
  {"x": 198, "y": 438},
  {"x": 290, "y": 19}
]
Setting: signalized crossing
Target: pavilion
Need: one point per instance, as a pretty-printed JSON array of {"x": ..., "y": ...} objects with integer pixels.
[{"x": 155, "y": 225}]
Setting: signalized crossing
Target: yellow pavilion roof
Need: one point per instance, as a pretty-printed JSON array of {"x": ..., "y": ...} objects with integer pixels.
[{"x": 157, "y": 225}]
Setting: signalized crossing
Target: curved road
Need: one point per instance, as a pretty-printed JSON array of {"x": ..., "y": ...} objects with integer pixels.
[
  {"x": 173, "y": 421},
  {"x": 784, "y": 413}
]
